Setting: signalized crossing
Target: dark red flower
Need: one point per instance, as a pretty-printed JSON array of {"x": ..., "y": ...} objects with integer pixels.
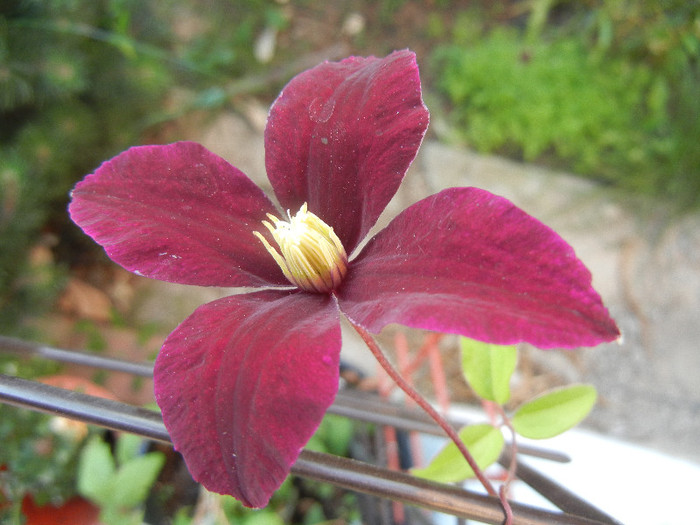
[{"x": 244, "y": 381}]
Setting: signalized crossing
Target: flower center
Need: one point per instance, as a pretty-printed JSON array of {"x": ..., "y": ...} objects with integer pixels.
[{"x": 310, "y": 254}]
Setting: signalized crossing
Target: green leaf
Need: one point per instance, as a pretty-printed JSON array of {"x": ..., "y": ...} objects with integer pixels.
[
  {"x": 316, "y": 444},
  {"x": 554, "y": 412},
  {"x": 263, "y": 517},
  {"x": 134, "y": 479},
  {"x": 484, "y": 442},
  {"x": 333, "y": 435},
  {"x": 128, "y": 447},
  {"x": 338, "y": 433},
  {"x": 95, "y": 471},
  {"x": 116, "y": 516},
  {"x": 488, "y": 368}
]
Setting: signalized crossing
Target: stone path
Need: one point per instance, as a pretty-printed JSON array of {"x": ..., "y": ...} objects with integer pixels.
[{"x": 645, "y": 263}]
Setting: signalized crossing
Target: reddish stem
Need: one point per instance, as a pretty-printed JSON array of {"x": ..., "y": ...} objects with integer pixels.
[
  {"x": 437, "y": 374},
  {"x": 513, "y": 465},
  {"x": 413, "y": 394}
]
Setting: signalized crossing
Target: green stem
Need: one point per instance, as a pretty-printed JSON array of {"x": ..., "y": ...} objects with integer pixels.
[{"x": 413, "y": 394}]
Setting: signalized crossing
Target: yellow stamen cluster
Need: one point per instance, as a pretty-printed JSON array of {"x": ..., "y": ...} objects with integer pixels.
[{"x": 310, "y": 254}]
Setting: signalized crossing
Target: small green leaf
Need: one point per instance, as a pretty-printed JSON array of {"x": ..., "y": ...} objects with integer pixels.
[
  {"x": 128, "y": 447},
  {"x": 134, "y": 479},
  {"x": 339, "y": 434},
  {"x": 333, "y": 435},
  {"x": 95, "y": 471},
  {"x": 264, "y": 517},
  {"x": 554, "y": 412},
  {"x": 488, "y": 368},
  {"x": 316, "y": 444},
  {"x": 484, "y": 442}
]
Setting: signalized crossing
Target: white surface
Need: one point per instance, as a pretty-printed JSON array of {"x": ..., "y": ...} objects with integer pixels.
[{"x": 634, "y": 485}]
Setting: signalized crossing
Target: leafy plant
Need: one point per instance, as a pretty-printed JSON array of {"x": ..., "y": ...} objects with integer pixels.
[
  {"x": 333, "y": 435},
  {"x": 605, "y": 91},
  {"x": 74, "y": 87},
  {"x": 118, "y": 483},
  {"x": 38, "y": 457},
  {"x": 484, "y": 441},
  {"x": 554, "y": 412},
  {"x": 549, "y": 98},
  {"x": 488, "y": 369}
]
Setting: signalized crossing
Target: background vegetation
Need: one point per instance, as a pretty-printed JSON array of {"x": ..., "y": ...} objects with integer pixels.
[{"x": 608, "y": 90}]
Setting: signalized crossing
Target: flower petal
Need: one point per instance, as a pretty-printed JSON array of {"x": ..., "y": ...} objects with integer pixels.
[
  {"x": 341, "y": 137},
  {"x": 244, "y": 382},
  {"x": 178, "y": 213},
  {"x": 468, "y": 262}
]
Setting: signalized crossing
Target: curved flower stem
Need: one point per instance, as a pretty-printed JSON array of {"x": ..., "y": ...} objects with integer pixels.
[
  {"x": 413, "y": 394},
  {"x": 513, "y": 465}
]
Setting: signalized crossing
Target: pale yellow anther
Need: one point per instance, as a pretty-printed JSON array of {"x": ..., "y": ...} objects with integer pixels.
[{"x": 310, "y": 254}]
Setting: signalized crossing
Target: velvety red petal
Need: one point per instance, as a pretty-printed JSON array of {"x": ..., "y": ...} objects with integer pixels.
[
  {"x": 468, "y": 262},
  {"x": 178, "y": 213},
  {"x": 341, "y": 137},
  {"x": 244, "y": 382}
]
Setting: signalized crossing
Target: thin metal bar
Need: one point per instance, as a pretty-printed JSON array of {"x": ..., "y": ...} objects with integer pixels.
[
  {"x": 340, "y": 408},
  {"x": 343, "y": 472},
  {"x": 76, "y": 405},
  {"x": 25, "y": 348},
  {"x": 558, "y": 495},
  {"x": 398, "y": 486},
  {"x": 355, "y": 405},
  {"x": 372, "y": 409},
  {"x": 360, "y": 406}
]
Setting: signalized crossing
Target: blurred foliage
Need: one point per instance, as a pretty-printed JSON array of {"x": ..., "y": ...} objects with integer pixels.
[
  {"x": 605, "y": 89},
  {"x": 547, "y": 98},
  {"x": 80, "y": 80},
  {"x": 298, "y": 500},
  {"x": 72, "y": 94},
  {"x": 39, "y": 457},
  {"x": 118, "y": 482}
]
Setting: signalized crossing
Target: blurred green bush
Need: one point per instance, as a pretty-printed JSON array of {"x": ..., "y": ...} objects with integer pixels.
[
  {"x": 605, "y": 89},
  {"x": 72, "y": 93},
  {"x": 80, "y": 81}
]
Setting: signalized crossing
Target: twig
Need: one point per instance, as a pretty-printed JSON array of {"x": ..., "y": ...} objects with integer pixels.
[{"x": 410, "y": 391}]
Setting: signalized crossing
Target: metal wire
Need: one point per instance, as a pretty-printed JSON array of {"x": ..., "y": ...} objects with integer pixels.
[
  {"x": 355, "y": 405},
  {"x": 371, "y": 408},
  {"x": 343, "y": 472},
  {"x": 26, "y": 348},
  {"x": 346, "y": 473}
]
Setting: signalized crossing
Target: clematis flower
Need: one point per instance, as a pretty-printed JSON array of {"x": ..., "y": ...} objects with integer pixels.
[{"x": 244, "y": 381}]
